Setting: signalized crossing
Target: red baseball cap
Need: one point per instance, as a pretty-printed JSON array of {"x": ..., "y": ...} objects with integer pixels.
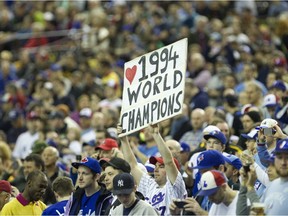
[
  {"x": 107, "y": 144},
  {"x": 5, "y": 186},
  {"x": 154, "y": 160},
  {"x": 32, "y": 115}
]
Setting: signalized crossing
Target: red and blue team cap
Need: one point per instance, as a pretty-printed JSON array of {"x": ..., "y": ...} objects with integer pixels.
[{"x": 210, "y": 182}]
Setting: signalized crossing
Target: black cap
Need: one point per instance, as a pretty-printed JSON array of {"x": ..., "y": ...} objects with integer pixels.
[
  {"x": 123, "y": 184},
  {"x": 117, "y": 163},
  {"x": 56, "y": 114}
]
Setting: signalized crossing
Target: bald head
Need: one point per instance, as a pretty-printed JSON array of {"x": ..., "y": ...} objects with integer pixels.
[
  {"x": 51, "y": 150},
  {"x": 50, "y": 156},
  {"x": 197, "y": 118},
  {"x": 197, "y": 60},
  {"x": 174, "y": 147}
]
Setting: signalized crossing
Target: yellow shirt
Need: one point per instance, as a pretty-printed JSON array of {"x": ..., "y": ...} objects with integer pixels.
[
  {"x": 113, "y": 76},
  {"x": 16, "y": 207}
]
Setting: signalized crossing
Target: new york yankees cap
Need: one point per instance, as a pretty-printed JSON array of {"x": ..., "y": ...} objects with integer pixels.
[
  {"x": 210, "y": 182},
  {"x": 123, "y": 184}
]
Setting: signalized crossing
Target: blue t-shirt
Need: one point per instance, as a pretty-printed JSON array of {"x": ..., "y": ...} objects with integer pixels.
[
  {"x": 56, "y": 209},
  {"x": 88, "y": 204}
]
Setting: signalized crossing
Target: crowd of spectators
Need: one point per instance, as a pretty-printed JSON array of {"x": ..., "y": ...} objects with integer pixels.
[{"x": 61, "y": 79}]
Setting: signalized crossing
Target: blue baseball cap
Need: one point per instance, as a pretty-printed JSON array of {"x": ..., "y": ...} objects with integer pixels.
[
  {"x": 279, "y": 84},
  {"x": 90, "y": 143},
  {"x": 253, "y": 134},
  {"x": 208, "y": 159},
  {"x": 89, "y": 162},
  {"x": 55, "y": 67},
  {"x": 217, "y": 135},
  {"x": 185, "y": 147},
  {"x": 281, "y": 146},
  {"x": 233, "y": 160}
]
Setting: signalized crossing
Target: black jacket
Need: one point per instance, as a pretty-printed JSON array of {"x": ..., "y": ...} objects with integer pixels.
[{"x": 103, "y": 202}]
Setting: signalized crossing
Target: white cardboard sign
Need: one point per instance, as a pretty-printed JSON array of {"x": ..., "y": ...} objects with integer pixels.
[{"x": 153, "y": 87}]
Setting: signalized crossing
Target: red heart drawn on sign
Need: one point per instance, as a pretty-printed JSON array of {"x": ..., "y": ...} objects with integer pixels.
[{"x": 130, "y": 73}]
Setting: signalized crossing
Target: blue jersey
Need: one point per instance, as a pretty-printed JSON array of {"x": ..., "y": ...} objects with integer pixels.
[
  {"x": 88, "y": 204},
  {"x": 56, "y": 209}
]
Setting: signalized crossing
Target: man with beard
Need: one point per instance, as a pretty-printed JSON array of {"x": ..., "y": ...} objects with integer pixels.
[
  {"x": 28, "y": 202},
  {"x": 276, "y": 195}
]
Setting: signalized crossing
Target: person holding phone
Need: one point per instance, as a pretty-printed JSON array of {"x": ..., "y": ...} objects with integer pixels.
[
  {"x": 276, "y": 195},
  {"x": 200, "y": 205},
  {"x": 268, "y": 133},
  {"x": 213, "y": 185},
  {"x": 248, "y": 179}
]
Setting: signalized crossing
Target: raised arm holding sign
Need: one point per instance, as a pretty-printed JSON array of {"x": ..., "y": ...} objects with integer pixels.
[
  {"x": 153, "y": 87},
  {"x": 167, "y": 182}
]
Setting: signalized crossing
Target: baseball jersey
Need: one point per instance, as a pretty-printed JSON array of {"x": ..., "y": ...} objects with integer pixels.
[
  {"x": 161, "y": 197},
  {"x": 56, "y": 209},
  {"x": 88, "y": 204}
]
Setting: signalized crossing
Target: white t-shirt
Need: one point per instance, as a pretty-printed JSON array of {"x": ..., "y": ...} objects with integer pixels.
[
  {"x": 88, "y": 135},
  {"x": 161, "y": 197},
  {"x": 222, "y": 209},
  {"x": 24, "y": 144}
]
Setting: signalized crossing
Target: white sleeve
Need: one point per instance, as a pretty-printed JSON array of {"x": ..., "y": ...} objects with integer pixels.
[
  {"x": 178, "y": 189},
  {"x": 145, "y": 184},
  {"x": 262, "y": 176}
]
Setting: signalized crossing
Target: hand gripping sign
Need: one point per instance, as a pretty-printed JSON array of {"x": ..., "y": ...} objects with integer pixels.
[{"x": 153, "y": 87}]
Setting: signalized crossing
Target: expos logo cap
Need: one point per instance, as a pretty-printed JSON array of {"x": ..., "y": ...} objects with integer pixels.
[{"x": 210, "y": 182}]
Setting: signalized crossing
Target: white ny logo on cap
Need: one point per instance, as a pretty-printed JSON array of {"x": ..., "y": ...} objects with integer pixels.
[{"x": 120, "y": 183}]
